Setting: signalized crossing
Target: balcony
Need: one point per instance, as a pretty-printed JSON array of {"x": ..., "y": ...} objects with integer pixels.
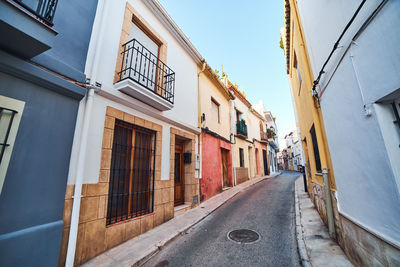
[
  {"x": 27, "y": 25},
  {"x": 241, "y": 128},
  {"x": 145, "y": 77}
]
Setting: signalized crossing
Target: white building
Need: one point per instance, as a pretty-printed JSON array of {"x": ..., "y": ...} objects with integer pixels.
[
  {"x": 273, "y": 144},
  {"x": 359, "y": 95},
  {"x": 144, "y": 108}
]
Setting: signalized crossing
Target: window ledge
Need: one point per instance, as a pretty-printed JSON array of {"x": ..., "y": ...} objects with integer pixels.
[{"x": 139, "y": 92}]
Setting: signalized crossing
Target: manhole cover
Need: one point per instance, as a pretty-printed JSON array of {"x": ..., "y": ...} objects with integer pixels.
[{"x": 243, "y": 236}]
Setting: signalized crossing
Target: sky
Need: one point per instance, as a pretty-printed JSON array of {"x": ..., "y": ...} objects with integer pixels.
[{"x": 243, "y": 36}]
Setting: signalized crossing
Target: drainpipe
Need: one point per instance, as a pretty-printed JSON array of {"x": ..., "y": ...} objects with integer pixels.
[
  {"x": 232, "y": 118},
  {"x": 199, "y": 120},
  {"x": 73, "y": 231},
  {"x": 328, "y": 203}
]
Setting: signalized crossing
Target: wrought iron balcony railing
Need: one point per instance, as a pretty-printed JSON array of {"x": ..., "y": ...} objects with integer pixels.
[
  {"x": 43, "y": 10},
  {"x": 145, "y": 68},
  {"x": 241, "y": 128}
]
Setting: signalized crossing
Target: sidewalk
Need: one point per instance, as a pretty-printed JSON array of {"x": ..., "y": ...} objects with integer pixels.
[
  {"x": 139, "y": 249},
  {"x": 316, "y": 248}
]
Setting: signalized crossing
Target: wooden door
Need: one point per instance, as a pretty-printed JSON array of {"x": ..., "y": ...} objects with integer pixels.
[
  {"x": 266, "y": 170},
  {"x": 179, "y": 177},
  {"x": 224, "y": 162}
]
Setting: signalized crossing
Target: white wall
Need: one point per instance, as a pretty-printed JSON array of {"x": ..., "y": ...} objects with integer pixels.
[
  {"x": 366, "y": 180},
  {"x": 253, "y": 126},
  {"x": 184, "y": 66},
  {"x": 100, "y": 67}
]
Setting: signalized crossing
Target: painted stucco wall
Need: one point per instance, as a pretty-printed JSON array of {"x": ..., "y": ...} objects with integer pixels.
[
  {"x": 73, "y": 21},
  {"x": 240, "y": 143},
  {"x": 368, "y": 190},
  {"x": 102, "y": 69},
  {"x": 31, "y": 201},
  {"x": 95, "y": 139},
  {"x": 211, "y": 182},
  {"x": 209, "y": 90},
  {"x": 241, "y": 107},
  {"x": 306, "y": 111},
  {"x": 253, "y": 126}
]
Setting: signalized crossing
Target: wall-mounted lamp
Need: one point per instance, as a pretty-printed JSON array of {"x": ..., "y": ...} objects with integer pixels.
[{"x": 203, "y": 117}]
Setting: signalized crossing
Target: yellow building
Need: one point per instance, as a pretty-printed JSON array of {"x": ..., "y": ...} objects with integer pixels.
[{"x": 312, "y": 133}]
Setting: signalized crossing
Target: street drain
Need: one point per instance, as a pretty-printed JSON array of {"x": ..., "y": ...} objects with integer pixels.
[{"x": 243, "y": 236}]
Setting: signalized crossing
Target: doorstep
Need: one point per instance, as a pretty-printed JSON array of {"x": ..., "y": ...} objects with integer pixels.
[{"x": 179, "y": 210}]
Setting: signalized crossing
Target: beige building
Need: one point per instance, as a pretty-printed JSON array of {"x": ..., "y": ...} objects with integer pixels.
[{"x": 215, "y": 140}]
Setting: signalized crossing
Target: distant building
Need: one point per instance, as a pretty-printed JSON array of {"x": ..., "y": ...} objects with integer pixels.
[{"x": 273, "y": 144}]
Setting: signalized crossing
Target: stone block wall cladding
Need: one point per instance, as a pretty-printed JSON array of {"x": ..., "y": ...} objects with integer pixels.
[
  {"x": 94, "y": 237},
  {"x": 242, "y": 175},
  {"x": 366, "y": 249},
  {"x": 360, "y": 246},
  {"x": 211, "y": 182}
]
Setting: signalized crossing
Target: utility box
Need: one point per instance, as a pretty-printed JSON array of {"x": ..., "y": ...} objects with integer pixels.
[
  {"x": 187, "y": 157},
  {"x": 197, "y": 162}
]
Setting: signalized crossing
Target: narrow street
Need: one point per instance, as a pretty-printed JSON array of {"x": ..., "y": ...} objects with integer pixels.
[{"x": 267, "y": 208}]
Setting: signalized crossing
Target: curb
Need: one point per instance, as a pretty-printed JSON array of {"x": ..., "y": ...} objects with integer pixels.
[
  {"x": 137, "y": 251},
  {"x": 160, "y": 246},
  {"x": 305, "y": 260}
]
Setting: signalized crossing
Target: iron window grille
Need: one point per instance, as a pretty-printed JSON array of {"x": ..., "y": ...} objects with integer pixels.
[
  {"x": 6, "y": 117},
  {"x": 131, "y": 189},
  {"x": 145, "y": 68},
  {"x": 43, "y": 10}
]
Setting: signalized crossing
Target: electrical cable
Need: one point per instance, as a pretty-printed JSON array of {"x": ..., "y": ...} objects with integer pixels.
[{"x": 335, "y": 46}]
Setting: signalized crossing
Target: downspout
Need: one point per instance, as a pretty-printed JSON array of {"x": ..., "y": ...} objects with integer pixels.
[
  {"x": 199, "y": 121},
  {"x": 232, "y": 116},
  {"x": 328, "y": 203},
  {"x": 73, "y": 232}
]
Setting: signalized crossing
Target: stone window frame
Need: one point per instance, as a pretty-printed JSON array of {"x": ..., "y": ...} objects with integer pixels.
[
  {"x": 108, "y": 137},
  {"x": 133, "y": 16}
]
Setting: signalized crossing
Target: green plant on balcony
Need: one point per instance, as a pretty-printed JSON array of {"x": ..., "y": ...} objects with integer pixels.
[
  {"x": 241, "y": 127},
  {"x": 270, "y": 133}
]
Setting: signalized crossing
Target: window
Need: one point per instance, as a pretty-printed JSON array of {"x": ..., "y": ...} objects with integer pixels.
[
  {"x": 131, "y": 189},
  {"x": 396, "y": 112},
  {"x": 10, "y": 116},
  {"x": 238, "y": 116},
  {"x": 241, "y": 157},
  {"x": 315, "y": 148},
  {"x": 295, "y": 65},
  {"x": 215, "y": 109}
]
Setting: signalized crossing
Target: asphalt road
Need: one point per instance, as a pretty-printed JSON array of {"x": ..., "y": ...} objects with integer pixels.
[{"x": 267, "y": 208}]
